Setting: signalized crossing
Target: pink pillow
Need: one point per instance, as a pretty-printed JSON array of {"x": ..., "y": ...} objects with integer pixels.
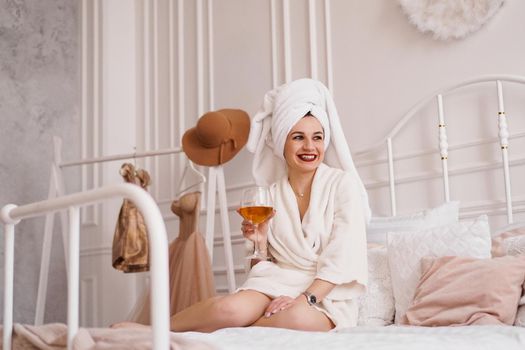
[{"x": 462, "y": 291}]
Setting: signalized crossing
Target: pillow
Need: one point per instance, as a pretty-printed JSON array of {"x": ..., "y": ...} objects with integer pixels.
[
  {"x": 405, "y": 250},
  {"x": 520, "y": 315},
  {"x": 457, "y": 291},
  {"x": 376, "y": 307},
  {"x": 445, "y": 214},
  {"x": 505, "y": 240},
  {"x": 511, "y": 241},
  {"x": 514, "y": 245}
]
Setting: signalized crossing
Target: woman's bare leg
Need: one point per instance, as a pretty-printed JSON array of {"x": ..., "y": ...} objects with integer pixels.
[
  {"x": 300, "y": 316},
  {"x": 234, "y": 310}
]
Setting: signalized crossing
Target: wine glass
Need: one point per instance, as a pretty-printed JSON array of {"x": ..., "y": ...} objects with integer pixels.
[{"x": 256, "y": 207}]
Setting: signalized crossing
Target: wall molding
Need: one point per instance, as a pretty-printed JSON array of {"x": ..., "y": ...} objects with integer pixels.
[
  {"x": 328, "y": 38},
  {"x": 312, "y": 25},
  {"x": 88, "y": 252},
  {"x": 181, "y": 77},
  {"x": 286, "y": 41},
  {"x": 273, "y": 31},
  {"x": 221, "y": 270},
  {"x": 211, "y": 66},
  {"x": 156, "y": 96},
  {"x": 88, "y": 301},
  {"x": 91, "y": 102}
]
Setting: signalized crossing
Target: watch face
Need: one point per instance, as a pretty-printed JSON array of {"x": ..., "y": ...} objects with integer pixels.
[{"x": 313, "y": 299}]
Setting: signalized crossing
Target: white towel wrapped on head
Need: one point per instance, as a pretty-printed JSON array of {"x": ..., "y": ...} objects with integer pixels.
[{"x": 282, "y": 108}]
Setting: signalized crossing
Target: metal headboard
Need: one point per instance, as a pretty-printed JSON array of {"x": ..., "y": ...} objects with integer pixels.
[{"x": 438, "y": 95}]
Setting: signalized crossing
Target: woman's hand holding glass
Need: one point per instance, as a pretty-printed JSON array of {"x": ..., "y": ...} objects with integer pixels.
[
  {"x": 257, "y": 233},
  {"x": 256, "y": 209}
]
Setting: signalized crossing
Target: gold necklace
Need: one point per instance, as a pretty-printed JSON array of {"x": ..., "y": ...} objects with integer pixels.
[
  {"x": 297, "y": 194},
  {"x": 300, "y": 195}
]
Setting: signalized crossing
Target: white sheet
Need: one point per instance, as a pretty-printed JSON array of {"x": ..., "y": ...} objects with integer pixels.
[{"x": 370, "y": 338}]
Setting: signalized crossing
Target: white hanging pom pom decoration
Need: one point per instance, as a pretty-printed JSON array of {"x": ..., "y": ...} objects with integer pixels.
[{"x": 450, "y": 18}]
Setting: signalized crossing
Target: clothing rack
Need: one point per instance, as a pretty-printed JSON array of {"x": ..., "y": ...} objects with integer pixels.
[{"x": 216, "y": 185}]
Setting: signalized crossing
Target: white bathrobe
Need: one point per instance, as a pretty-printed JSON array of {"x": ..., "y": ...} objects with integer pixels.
[{"x": 329, "y": 244}]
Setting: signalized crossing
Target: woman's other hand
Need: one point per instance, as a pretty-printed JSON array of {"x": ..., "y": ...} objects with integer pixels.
[{"x": 281, "y": 303}]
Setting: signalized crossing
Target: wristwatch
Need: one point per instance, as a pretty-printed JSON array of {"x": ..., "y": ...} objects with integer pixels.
[{"x": 311, "y": 299}]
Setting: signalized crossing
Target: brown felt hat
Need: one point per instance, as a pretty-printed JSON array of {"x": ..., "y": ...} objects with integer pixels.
[{"x": 218, "y": 137}]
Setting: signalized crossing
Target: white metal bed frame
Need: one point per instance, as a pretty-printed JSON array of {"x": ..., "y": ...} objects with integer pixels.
[
  {"x": 11, "y": 215},
  {"x": 443, "y": 142}
]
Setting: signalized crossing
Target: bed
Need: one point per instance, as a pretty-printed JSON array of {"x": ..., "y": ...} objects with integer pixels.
[
  {"x": 419, "y": 179},
  {"x": 436, "y": 150}
]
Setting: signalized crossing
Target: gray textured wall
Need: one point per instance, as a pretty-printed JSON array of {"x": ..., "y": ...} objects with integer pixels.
[{"x": 39, "y": 98}]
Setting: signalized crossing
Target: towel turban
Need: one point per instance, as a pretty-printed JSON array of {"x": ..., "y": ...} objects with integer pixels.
[{"x": 282, "y": 108}]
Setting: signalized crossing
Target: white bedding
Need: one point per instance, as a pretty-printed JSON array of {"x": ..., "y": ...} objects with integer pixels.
[{"x": 392, "y": 337}]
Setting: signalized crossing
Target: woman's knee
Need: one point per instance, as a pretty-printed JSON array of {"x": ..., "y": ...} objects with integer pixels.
[{"x": 226, "y": 309}]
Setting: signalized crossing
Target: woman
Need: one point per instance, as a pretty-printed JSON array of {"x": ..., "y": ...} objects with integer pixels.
[{"x": 316, "y": 237}]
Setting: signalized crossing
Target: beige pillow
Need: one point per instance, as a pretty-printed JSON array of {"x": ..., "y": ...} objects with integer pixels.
[
  {"x": 463, "y": 291},
  {"x": 511, "y": 241}
]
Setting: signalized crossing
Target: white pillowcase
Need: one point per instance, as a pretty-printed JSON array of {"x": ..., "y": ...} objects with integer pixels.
[
  {"x": 379, "y": 226},
  {"x": 405, "y": 250},
  {"x": 376, "y": 307}
]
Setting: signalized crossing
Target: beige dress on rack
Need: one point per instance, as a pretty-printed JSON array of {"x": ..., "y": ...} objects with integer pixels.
[{"x": 191, "y": 277}]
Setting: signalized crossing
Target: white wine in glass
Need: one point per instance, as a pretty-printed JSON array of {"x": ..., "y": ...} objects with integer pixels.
[{"x": 256, "y": 207}]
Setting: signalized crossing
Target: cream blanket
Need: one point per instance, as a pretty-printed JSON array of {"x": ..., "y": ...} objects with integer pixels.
[
  {"x": 329, "y": 244},
  {"x": 53, "y": 336}
]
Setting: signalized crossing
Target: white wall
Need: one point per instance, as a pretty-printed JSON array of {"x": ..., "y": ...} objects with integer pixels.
[{"x": 161, "y": 64}]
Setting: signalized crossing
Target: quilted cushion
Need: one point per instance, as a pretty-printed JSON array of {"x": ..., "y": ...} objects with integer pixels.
[
  {"x": 514, "y": 245},
  {"x": 376, "y": 307},
  {"x": 405, "y": 250}
]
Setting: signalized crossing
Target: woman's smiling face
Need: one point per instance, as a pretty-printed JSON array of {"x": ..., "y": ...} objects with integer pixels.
[{"x": 304, "y": 146}]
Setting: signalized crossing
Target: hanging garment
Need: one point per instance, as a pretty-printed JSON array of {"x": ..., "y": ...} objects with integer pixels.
[
  {"x": 130, "y": 242},
  {"x": 191, "y": 277}
]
